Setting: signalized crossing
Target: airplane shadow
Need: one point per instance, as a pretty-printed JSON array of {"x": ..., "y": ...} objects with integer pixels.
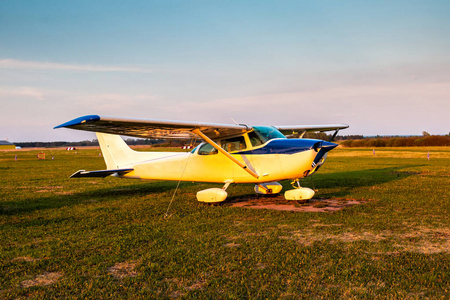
[
  {"x": 55, "y": 200},
  {"x": 343, "y": 183}
]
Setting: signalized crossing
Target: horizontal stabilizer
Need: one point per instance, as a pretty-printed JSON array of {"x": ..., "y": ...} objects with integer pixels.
[{"x": 101, "y": 173}]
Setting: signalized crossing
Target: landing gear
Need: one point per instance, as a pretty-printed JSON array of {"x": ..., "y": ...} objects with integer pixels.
[
  {"x": 213, "y": 195},
  {"x": 298, "y": 193},
  {"x": 268, "y": 188}
]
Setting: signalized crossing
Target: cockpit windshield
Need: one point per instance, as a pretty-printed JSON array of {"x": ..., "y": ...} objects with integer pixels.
[{"x": 267, "y": 133}]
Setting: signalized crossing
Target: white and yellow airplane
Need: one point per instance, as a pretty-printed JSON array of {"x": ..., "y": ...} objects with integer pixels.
[{"x": 229, "y": 154}]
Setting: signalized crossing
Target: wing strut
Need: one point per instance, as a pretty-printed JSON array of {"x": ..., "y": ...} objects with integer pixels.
[
  {"x": 334, "y": 135},
  {"x": 221, "y": 150}
]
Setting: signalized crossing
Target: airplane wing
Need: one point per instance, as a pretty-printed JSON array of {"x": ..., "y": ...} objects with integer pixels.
[
  {"x": 153, "y": 128},
  {"x": 302, "y": 129}
]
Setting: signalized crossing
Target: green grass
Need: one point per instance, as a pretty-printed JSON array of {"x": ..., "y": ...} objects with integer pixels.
[{"x": 108, "y": 238}]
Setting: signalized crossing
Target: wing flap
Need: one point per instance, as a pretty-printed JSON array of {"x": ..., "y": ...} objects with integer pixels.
[{"x": 100, "y": 173}]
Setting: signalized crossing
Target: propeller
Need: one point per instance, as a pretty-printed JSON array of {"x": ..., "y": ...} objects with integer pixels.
[
  {"x": 317, "y": 146},
  {"x": 322, "y": 148}
]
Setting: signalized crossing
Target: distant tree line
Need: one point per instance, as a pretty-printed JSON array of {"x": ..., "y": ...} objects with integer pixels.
[
  {"x": 130, "y": 141},
  {"x": 56, "y": 144},
  {"x": 346, "y": 141},
  {"x": 160, "y": 142},
  {"x": 426, "y": 140},
  {"x": 326, "y": 137}
]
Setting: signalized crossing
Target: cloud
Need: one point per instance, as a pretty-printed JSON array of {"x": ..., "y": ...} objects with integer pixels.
[
  {"x": 7, "y": 93},
  {"x": 20, "y": 64},
  {"x": 404, "y": 108},
  {"x": 114, "y": 103}
]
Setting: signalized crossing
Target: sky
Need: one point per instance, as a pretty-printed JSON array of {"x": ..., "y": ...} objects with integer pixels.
[{"x": 382, "y": 67}]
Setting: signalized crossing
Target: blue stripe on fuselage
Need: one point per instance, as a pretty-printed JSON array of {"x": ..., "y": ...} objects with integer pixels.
[{"x": 283, "y": 146}]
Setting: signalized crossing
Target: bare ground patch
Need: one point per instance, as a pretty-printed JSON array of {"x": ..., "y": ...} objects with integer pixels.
[
  {"x": 47, "y": 189},
  {"x": 309, "y": 237},
  {"x": 280, "y": 203},
  {"x": 197, "y": 285},
  {"x": 123, "y": 269},
  {"x": 181, "y": 287},
  {"x": 24, "y": 258},
  {"x": 426, "y": 240},
  {"x": 43, "y": 279},
  {"x": 417, "y": 239},
  {"x": 232, "y": 245}
]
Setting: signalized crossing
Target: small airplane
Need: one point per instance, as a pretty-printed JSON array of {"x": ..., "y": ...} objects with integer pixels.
[{"x": 235, "y": 153}]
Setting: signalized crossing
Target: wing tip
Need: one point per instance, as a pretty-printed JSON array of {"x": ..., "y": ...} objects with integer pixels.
[{"x": 78, "y": 121}]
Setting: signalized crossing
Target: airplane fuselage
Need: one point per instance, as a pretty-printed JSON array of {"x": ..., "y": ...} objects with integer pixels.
[{"x": 278, "y": 159}]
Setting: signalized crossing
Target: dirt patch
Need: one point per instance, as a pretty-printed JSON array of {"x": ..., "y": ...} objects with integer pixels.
[
  {"x": 198, "y": 285},
  {"x": 260, "y": 266},
  {"x": 44, "y": 279},
  {"x": 280, "y": 203},
  {"x": 124, "y": 269},
  {"x": 181, "y": 287},
  {"x": 24, "y": 258},
  {"x": 232, "y": 245},
  {"x": 46, "y": 189},
  {"x": 426, "y": 240},
  {"x": 309, "y": 237},
  {"x": 418, "y": 239},
  {"x": 65, "y": 193}
]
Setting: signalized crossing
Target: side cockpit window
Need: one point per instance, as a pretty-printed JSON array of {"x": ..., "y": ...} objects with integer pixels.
[
  {"x": 207, "y": 149},
  {"x": 255, "y": 139},
  {"x": 233, "y": 144}
]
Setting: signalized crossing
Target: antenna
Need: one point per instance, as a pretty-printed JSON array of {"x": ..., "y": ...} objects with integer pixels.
[{"x": 234, "y": 121}]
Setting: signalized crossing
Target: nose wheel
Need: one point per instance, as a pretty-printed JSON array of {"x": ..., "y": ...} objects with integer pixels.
[
  {"x": 300, "y": 194},
  {"x": 296, "y": 184}
]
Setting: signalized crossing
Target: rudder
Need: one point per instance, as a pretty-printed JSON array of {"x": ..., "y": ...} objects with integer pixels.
[{"x": 115, "y": 151}]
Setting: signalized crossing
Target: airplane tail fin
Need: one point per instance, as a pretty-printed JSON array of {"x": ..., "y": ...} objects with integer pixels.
[{"x": 115, "y": 151}]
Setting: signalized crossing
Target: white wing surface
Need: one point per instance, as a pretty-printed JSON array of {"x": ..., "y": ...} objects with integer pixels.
[
  {"x": 152, "y": 128},
  {"x": 163, "y": 129}
]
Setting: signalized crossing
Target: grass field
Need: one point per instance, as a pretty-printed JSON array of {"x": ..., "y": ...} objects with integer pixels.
[{"x": 108, "y": 238}]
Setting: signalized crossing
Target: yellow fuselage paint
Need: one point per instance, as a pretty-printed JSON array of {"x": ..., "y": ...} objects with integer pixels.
[{"x": 219, "y": 168}]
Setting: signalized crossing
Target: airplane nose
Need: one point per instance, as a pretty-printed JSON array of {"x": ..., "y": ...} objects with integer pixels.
[
  {"x": 322, "y": 148},
  {"x": 327, "y": 146}
]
